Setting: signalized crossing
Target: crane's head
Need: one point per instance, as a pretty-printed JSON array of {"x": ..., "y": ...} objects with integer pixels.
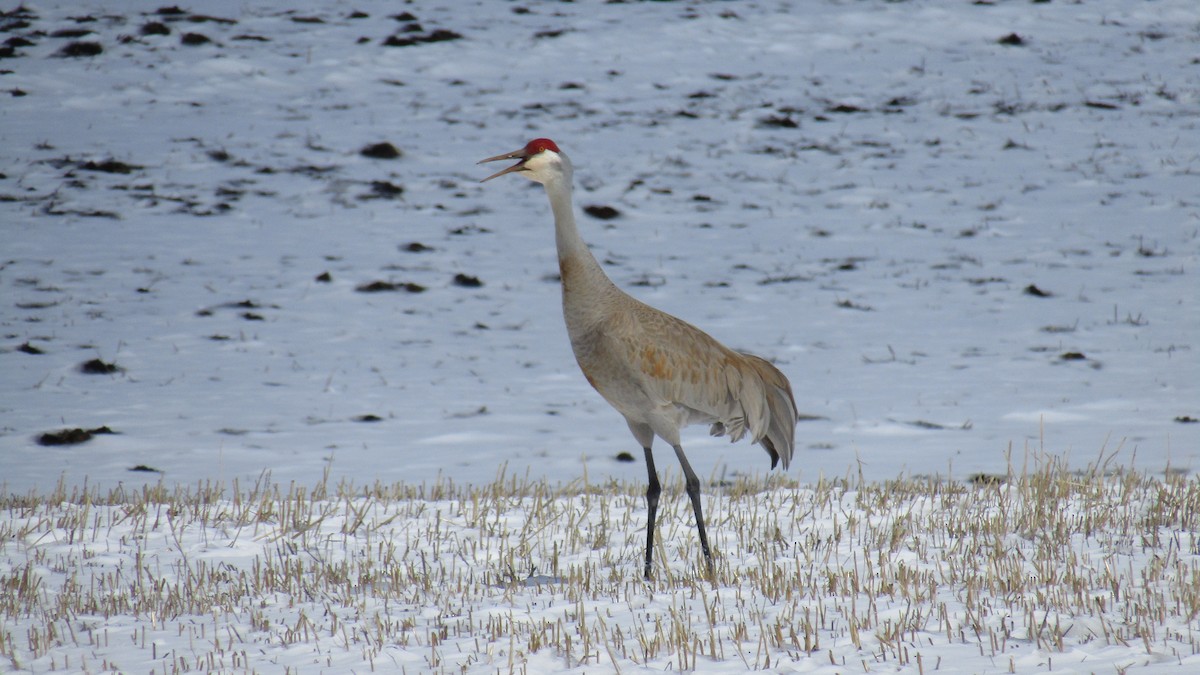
[{"x": 539, "y": 161}]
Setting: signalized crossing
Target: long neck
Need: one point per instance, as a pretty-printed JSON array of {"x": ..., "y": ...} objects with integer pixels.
[{"x": 578, "y": 267}]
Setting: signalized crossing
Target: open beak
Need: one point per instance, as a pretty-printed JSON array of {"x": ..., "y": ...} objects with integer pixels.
[{"x": 519, "y": 166}]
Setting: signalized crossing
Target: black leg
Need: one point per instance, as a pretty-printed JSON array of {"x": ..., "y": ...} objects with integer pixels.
[
  {"x": 693, "y": 491},
  {"x": 652, "y": 492}
]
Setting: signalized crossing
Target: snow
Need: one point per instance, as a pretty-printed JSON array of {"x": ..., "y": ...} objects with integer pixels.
[
  {"x": 911, "y": 214},
  {"x": 530, "y": 579},
  {"x": 874, "y": 195}
]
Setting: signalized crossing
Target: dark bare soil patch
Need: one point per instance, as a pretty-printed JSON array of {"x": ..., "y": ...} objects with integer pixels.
[
  {"x": 19, "y": 13},
  {"x": 467, "y": 281},
  {"x": 407, "y": 40},
  {"x": 244, "y": 305},
  {"x": 469, "y": 229},
  {"x": 98, "y": 367},
  {"x": 144, "y": 468},
  {"x": 382, "y": 150},
  {"x": 205, "y": 18},
  {"x": 389, "y": 286},
  {"x": 601, "y": 212},
  {"x": 779, "y": 122},
  {"x": 110, "y": 166},
  {"x": 53, "y": 210},
  {"x": 36, "y": 305},
  {"x": 81, "y": 49},
  {"x": 18, "y": 41},
  {"x": 71, "y": 33},
  {"x": 71, "y": 436},
  {"x": 381, "y": 189},
  {"x": 194, "y": 39},
  {"x": 310, "y": 170}
]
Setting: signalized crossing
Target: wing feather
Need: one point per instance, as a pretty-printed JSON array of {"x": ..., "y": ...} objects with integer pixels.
[{"x": 678, "y": 364}]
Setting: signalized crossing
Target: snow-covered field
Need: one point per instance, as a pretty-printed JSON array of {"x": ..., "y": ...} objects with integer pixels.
[
  {"x": 1049, "y": 571},
  {"x": 961, "y": 229}
]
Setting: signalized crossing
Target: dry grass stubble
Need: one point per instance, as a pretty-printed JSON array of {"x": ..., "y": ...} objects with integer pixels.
[{"x": 458, "y": 578}]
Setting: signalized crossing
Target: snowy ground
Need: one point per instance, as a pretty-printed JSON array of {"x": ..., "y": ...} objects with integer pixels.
[
  {"x": 1049, "y": 571},
  {"x": 959, "y": 228},
  {"x": 880, "y": 251}
]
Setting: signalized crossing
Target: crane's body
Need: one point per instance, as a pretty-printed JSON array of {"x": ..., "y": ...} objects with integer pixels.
[{"x": 659, "y": 372}]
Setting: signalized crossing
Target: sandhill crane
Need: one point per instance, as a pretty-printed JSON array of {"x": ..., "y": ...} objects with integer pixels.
[{"x": 658, "y": 371}]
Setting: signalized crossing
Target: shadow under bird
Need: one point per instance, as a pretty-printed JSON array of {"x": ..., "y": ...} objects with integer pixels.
[{"x": 659, "y": 372}]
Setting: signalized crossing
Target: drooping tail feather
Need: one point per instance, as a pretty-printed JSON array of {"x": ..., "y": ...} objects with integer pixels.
[{"x": 775, "y": 427}]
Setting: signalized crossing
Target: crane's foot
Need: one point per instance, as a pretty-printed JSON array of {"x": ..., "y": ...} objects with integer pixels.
[{"x": 710, "y": 568}]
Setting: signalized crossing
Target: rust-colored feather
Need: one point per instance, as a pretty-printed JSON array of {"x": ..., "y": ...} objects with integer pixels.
[{"x": 676, "y": 366}]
